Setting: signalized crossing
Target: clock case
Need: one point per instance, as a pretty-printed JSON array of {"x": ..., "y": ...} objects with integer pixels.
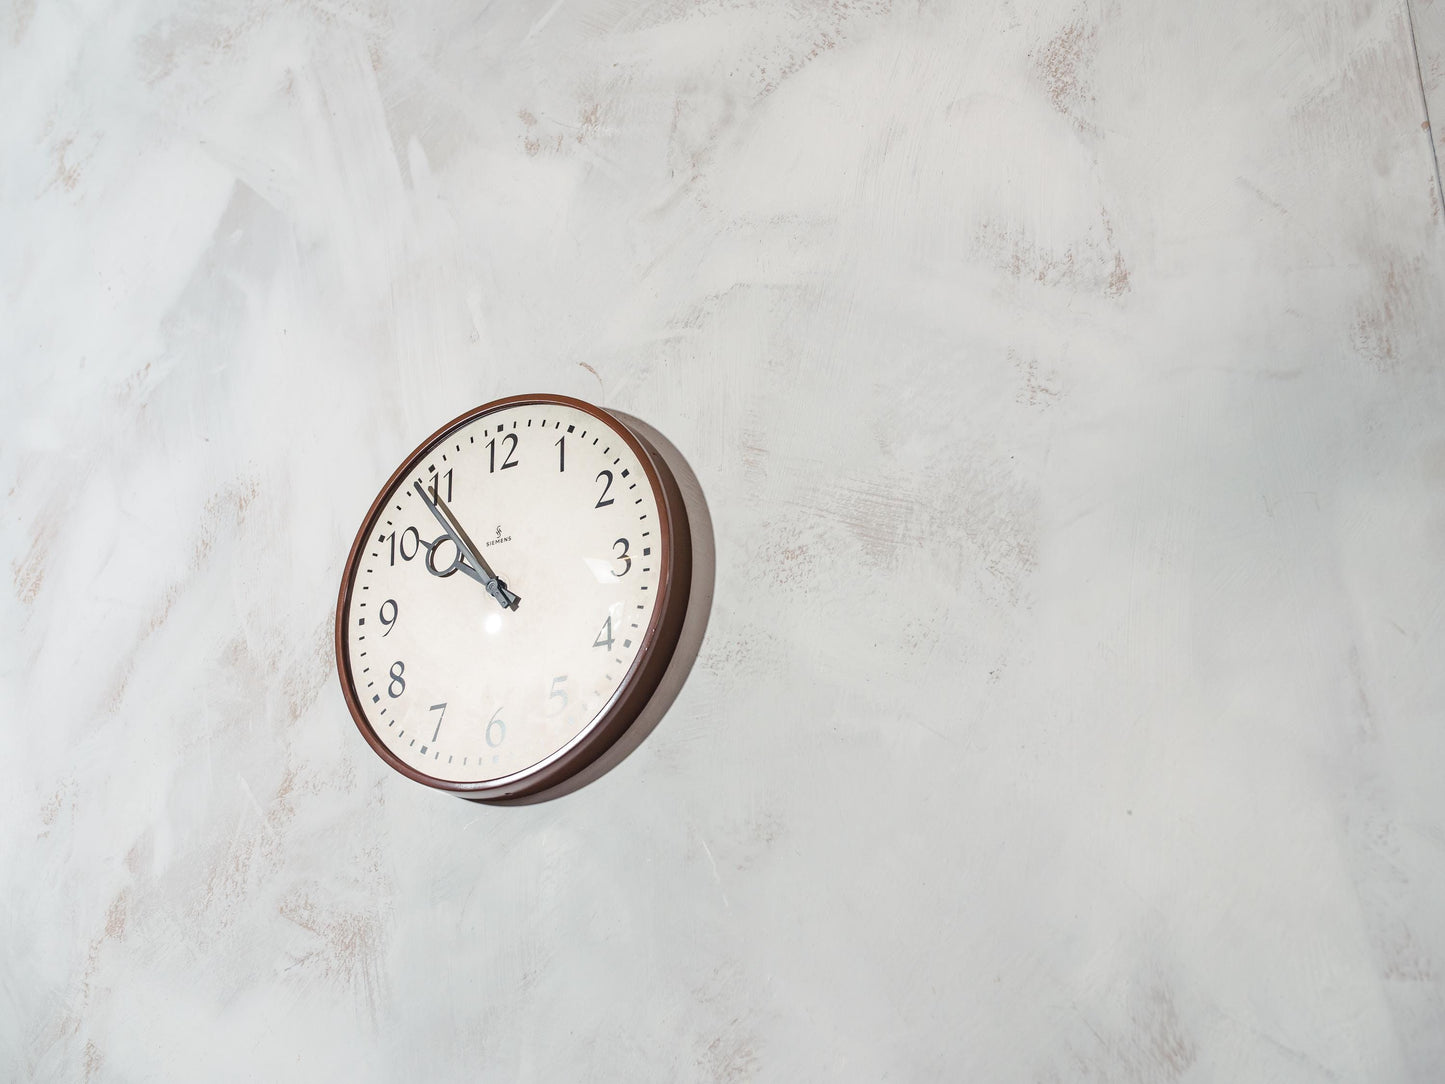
[{"x": 659, "y": 642}]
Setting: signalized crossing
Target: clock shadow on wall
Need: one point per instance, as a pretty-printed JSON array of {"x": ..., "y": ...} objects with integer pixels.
[
  {"x": 525, "y": 599},
  {"x": 694, "y": 626}
]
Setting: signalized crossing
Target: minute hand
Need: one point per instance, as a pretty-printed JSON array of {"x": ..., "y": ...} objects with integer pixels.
[{"x": 480, "y": 570}]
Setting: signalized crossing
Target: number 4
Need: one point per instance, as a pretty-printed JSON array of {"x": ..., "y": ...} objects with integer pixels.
[{"x": 607, "y": 633}]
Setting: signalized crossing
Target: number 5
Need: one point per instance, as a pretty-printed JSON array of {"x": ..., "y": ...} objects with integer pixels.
[{"x": 557, "y": 693}]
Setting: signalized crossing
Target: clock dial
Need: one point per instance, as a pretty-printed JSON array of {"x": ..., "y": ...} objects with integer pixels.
[{"x": 513, "y": 597}]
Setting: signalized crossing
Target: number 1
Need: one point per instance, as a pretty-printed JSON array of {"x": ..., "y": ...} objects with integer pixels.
[{"x": 436, "y": 485}]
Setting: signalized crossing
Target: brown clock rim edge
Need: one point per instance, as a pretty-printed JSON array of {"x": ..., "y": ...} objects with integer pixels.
[{"x": 659, "y": 642}]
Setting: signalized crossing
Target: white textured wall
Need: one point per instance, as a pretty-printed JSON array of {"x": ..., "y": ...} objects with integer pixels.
[{"x": 1067, "y": 383}]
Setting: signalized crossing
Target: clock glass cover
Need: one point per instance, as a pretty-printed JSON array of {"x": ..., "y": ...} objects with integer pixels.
[{"x": 513, "y": 597}]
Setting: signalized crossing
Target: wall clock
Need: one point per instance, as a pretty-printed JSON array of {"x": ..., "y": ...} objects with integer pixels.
[{"x": 513, "y": 597}]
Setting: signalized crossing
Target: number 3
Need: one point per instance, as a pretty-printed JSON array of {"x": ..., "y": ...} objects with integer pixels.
[{"x": 623, "y": 556}]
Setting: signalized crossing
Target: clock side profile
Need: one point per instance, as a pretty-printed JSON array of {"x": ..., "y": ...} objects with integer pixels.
[{"x": 513, "y": 597}]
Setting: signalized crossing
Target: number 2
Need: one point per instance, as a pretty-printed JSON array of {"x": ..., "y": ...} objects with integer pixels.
[{"x": 507, "y": 460}]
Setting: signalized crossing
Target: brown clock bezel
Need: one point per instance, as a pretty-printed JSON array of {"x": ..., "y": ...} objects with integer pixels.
[{"x": 658, "y": 644}]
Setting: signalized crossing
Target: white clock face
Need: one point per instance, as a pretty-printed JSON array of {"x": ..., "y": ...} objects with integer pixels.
[{"x": 558, "y": 507}]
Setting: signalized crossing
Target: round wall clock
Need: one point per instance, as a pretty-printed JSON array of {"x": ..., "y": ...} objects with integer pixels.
[{"x": 513, "y": 598}]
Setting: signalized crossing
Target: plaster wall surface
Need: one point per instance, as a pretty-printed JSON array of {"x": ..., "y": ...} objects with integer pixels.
[{"x": 1067, "y": 385}]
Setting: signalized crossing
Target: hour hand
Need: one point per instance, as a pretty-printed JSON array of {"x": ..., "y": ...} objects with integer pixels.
[{"x": 478, "y": 569}]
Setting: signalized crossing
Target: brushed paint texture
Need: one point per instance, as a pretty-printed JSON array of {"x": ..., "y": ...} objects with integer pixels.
[{"x": 1067, "y": 385}]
